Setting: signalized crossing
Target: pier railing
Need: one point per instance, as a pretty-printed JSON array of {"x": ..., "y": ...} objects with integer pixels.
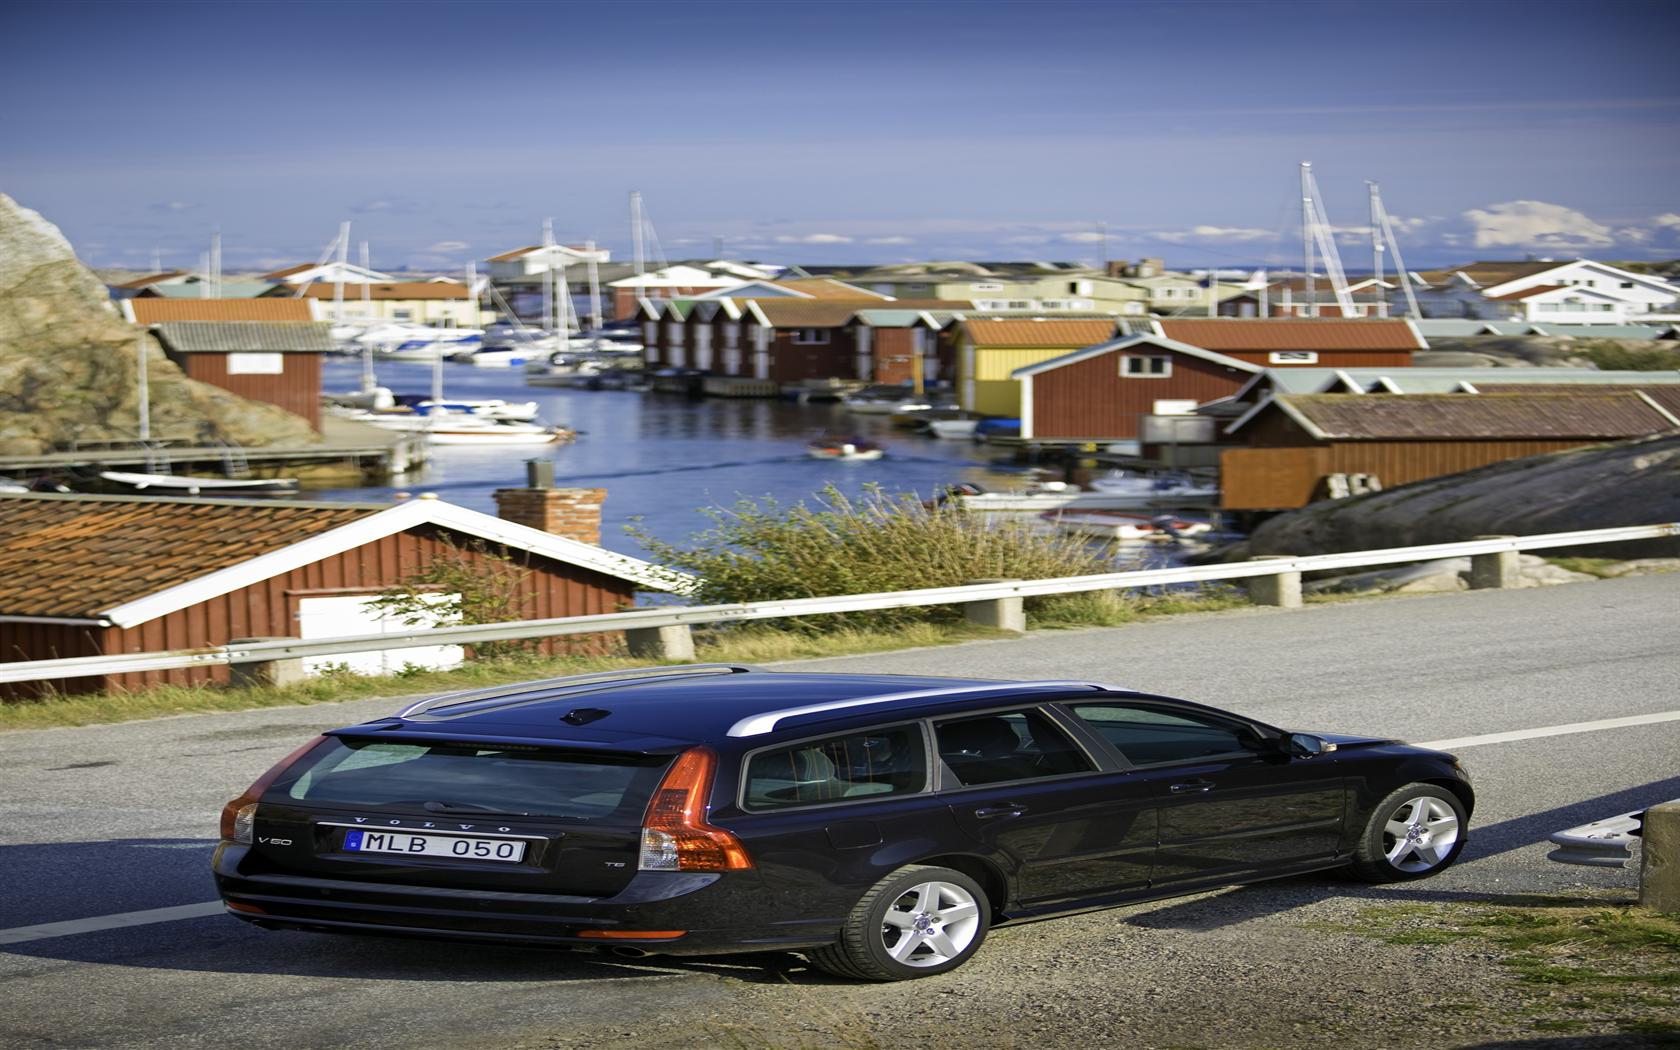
[{"x": 663, "y": 632}]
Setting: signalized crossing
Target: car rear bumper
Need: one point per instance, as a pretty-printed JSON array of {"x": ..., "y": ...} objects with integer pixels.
[{"x": 713, "y": 912}]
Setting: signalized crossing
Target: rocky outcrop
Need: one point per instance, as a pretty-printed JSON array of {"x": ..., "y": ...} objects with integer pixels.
[
  {"x": 1628, "y": 483},
  {"x": 68, "y": 361}
]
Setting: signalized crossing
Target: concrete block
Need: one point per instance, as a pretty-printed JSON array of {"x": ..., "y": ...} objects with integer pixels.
[
  {"x": 1282, "y": 589},
  {"x": 267, "y": 673},
  {"x": 1002, "y": 614},
  {"x": 661, "y": 643},
  {"x": 1659, "y": 870},
  {"x": 1494, "y": 571}
]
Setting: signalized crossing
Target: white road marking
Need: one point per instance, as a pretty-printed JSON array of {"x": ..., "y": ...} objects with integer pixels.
[
  {"x": 1560, "y": 730},
  {"x": 46, "y": 930},
  {"x": 20, "y": 934}
]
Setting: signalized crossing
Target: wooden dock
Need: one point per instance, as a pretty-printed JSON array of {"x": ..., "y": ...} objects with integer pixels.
[{"x": 353, "y": 448}]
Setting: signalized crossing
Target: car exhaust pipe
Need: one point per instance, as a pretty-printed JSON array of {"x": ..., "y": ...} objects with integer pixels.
[{"x": 624, "y": 951}]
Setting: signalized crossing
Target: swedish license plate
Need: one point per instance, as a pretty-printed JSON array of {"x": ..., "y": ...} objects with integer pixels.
[{"x": 413, "y": 845}]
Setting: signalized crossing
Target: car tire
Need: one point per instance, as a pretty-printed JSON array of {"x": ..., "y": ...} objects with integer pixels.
[
  {"x": 1416, "y": 831},
  {"x": 917, "y": 922}
]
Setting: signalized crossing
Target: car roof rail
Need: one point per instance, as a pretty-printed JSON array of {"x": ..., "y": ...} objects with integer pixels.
[
  {"x": 759, "y": 724},
  {"x": 519, "y": 692}
]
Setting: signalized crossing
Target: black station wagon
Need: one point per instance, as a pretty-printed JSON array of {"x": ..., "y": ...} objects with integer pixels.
[{"x": 879, "y": 824}]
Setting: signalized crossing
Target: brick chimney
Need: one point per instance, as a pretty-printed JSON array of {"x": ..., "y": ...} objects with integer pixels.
[{"x": 572, "y": 513}]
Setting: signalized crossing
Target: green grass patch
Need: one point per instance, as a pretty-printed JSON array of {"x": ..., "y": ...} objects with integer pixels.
[{"x": 1580, "y": 965}]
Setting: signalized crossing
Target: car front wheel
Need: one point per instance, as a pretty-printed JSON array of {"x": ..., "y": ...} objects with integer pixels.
[
  {"x": 916, "y": 922},
  {"x": 1413, "y": 833}
]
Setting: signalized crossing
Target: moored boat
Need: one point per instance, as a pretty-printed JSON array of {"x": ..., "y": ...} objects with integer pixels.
[
  {"x": 849, "y": 449},
  {"x": 197, "y": 486},
  {"x": 1126, "y": 526}
]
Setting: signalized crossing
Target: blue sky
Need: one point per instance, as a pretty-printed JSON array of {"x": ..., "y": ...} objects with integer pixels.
[{"x": 843, "y": 132}]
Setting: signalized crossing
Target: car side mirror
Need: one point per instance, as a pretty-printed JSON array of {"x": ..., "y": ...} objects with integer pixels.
[{"x": 1306, "y": 745}]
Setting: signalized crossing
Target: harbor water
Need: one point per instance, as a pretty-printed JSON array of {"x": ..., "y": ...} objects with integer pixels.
[{"x": 662, "y": 457}]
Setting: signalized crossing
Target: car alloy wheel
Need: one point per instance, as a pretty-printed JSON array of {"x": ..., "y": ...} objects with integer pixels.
[
  {"x": 916, "y": 922},
  {"x": 1413, "y": 833}
]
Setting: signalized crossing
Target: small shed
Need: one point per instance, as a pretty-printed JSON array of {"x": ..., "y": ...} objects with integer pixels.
[
  {"x": 89, "y": 575},
  {"x": 276, "y": 362},
  {"x": 1140, "y": 388},
  {"x": 1297, "y": 443}
]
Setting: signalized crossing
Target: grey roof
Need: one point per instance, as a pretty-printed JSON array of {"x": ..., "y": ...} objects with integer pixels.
[
  {"x": 222, "y": 337},
  {"x": 892, "y": 318},
  {"x": 1442, "y": 380}
]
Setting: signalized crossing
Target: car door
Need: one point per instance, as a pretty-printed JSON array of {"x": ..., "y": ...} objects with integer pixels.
[
  {"x": 1230, "y": 805},
  {"x": 1059, "y": 818}
]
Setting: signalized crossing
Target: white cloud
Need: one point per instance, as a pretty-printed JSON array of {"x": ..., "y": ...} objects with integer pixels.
[
  {"x": 1082, "y": 237},
  {"x": 1216, "y": 233},
  {"x": 1027, "y": 238},
  {"x": 170, "y": 207},
  {"x": 1633, "y": 235},
  {"x": 1669, "y": 221},
  {"x": 1536, "y": 224},
  {"x": 448, "y": 246},
  {"x": 814, "y": 238},
  {"x": 889, "y": 240}
]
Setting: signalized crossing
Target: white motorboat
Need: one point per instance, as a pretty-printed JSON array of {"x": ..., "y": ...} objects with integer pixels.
[
  {"x": 454, "y": 428},
  {"x": 953, "y": 429},
  {"x": 845, "y": 449},
  {"x": 884, "y": 401},
  {"x": 1057, "y": 495},
  {"x": 175, "y": 483},
  {"x": 1120, "y": 483},
  {"x": 1126, "y": 526}
]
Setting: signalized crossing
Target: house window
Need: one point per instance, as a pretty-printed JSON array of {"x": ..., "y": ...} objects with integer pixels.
[
  {"x": 402, "y": 315},
  {"x": 1146, "y": 367},
  {"x": 985, "y": 287},
  {"x": 255, "y": 364},
  {"x": 1292, "y": 357},
  {"x": 810, "y": 336}
]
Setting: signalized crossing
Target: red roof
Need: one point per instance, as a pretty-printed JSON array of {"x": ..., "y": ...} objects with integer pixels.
[
  {"x": 160, "y": 311},
  {"x": 1036, "y": 332},
  {"x": 1260, "y": 335}
]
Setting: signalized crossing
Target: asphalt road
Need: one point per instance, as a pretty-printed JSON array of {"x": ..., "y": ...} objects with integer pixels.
[{"x": 110, "y": 820}]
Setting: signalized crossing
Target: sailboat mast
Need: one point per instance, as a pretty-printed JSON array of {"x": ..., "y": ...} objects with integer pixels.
[
  {"x": 1307, "y": 238},
  {"x": 343, "y": 261},
  {"x": 595, "y": 321},
  {"x": 1377, "y": 253},
  {"x": 216, "y": 264},
  {"x": 1399, "y": 260},
  {"x": 145, "y": 427},
  {"x": 638, "y": 250},
  {"x": 367, "y": 286},
  {"x": 548, "y": 272}
]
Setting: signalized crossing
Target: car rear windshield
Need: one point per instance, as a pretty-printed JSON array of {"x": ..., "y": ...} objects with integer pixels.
[{"x": 454, "y": 778}]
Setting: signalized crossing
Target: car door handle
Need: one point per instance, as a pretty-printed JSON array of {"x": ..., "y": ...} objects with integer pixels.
[
  {"x": 1006, "y": 810},
  {"x": 1188, "y": 786}
]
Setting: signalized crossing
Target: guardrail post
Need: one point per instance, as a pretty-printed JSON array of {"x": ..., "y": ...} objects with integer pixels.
[
  {"x": 1659, "y": 869},
  {"x": 271, "y": 674},
  {"x": 1281, "y": 589},
  {"x": 675, "y": 642},
  {"x": 1002, "y": 614},
  {"x": 1490, "y": 572}
]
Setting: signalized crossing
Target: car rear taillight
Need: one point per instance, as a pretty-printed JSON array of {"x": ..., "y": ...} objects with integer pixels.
[
  {"x": 675, "y": 835},
  {"x": 240, "y": 813}
]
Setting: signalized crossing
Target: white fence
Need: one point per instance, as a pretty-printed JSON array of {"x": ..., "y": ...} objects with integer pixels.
[{"x": 650, "y": 622}]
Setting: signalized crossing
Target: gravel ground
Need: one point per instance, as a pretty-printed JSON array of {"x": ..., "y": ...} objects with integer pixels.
[{"x": 1278, "y": 966}]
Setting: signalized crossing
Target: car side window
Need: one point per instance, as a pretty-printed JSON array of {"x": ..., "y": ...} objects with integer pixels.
[
  {"x": 1149, "y": 736},
  {"x": 1007, "y": 746},
  {"x": 876, "y": 762}
]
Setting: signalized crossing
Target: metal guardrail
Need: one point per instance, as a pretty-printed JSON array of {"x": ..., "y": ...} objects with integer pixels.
[
  {"x": 653, "y": 618},
  {"x": 1606, "y": 843}
]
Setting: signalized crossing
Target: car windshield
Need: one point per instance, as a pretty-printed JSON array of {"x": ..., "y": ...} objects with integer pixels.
[{"x": 463, "y": 778}]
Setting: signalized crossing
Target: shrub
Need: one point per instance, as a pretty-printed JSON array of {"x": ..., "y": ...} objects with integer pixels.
[{"x": 760, "y": 550}]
